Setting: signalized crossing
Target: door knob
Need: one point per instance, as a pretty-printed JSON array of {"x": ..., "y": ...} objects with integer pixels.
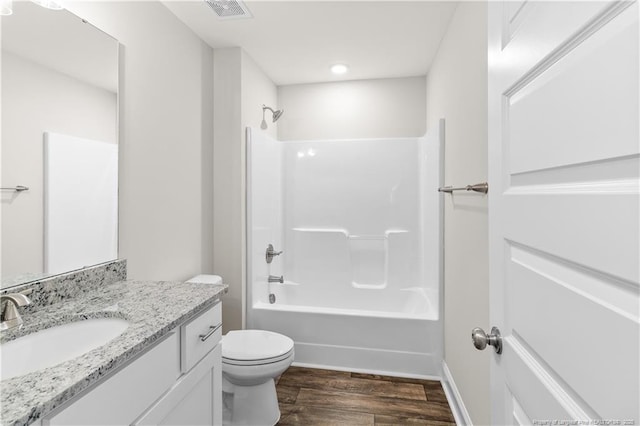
[{"x": 481, "y": 339}]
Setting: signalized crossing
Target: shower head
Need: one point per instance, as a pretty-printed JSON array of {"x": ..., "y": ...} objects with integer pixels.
[{"x": 276, "y": 115}]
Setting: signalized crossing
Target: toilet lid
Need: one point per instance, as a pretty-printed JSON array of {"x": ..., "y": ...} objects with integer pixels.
[{"x": 254, "y": 345}]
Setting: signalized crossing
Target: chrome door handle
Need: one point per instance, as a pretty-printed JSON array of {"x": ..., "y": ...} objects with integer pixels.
[{"x": 481, "y": 339}]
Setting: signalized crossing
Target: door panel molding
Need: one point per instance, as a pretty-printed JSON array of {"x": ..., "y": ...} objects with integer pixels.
[
  {"x": 621, "y": 297},
  {"x": 554, "y": 398},
  {"x": 586, "y": 31},
  {"x": 595, "y": 173}
]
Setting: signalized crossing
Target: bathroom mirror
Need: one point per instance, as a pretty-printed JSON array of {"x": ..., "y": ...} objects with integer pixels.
[{"x": 59, "y": 140}]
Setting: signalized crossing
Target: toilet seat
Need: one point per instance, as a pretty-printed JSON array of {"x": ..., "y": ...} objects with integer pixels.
[
  {"x": 262, "y": 361},
  {"x": 255, "y": 347}
]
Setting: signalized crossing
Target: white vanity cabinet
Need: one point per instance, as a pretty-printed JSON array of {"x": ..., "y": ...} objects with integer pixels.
[
  {"x": 176, "y": 382},
  {"x": 196, "y": 397}
]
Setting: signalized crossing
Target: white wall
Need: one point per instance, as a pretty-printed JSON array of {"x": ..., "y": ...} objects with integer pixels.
[
  {"x": 165, "y": 139},
  {"x": 457, "y": 91},
  {"x": 382, "y": 108},
  {"x": 240, "y": 90},
  {"x": 35, "y": 100},
  {"x": 257, "y": 89}
]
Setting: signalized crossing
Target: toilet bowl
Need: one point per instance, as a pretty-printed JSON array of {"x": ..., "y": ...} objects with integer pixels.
[{"x": 251, "y": 361}]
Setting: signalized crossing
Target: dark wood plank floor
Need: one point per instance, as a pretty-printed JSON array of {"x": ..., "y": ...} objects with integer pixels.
[{"x": 325, "y": 397}]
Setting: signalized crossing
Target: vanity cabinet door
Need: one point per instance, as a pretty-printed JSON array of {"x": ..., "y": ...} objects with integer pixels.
[
  {"x": 196, "y": 398},
  {"x": 122, "y": 397}
]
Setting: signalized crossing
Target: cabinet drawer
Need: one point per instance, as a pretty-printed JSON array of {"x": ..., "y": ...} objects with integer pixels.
[
  {"x": 200, "y": 336},
  {"x": 126, "y": 394}
]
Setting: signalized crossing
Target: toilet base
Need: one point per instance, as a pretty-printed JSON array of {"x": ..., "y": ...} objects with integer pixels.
[{"x": 250, "y": 405}]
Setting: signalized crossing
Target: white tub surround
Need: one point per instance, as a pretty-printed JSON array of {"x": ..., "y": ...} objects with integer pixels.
[{"x": 358, "y": 223}]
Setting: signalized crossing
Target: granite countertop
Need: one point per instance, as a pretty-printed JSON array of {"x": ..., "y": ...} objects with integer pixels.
[{"x": 152, "y": 309}]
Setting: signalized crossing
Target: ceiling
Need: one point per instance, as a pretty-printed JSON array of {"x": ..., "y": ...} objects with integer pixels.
[
  {"x": 63, "y": 42},
  {"x": 296, "y": 42}
]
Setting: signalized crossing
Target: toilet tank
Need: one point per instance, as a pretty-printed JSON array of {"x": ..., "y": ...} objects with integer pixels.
[{"x": 206, "y": 279}]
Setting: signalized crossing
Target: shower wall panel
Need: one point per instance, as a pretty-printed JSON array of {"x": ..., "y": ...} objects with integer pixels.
[
  {"x": 264, "y": 210},
  {"x": 352, "y": 213}
]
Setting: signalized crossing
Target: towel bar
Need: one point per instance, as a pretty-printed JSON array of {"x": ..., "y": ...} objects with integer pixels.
[
  {"x": 478, "y": 187},
  {"x": 18, "y": 188}
]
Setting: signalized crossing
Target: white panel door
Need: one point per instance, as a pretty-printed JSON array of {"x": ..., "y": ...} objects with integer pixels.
[{"x": 564, "y": 211}]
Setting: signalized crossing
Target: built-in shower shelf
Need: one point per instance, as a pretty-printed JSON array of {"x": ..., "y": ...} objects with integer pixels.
[
  {"x": 324, "y": 230},
  {"x": 361, "y": 259},
  {"x": 350, "y": 236}
]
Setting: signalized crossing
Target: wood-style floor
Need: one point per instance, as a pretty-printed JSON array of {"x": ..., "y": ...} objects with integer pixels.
[{"x": 325, "y": 397}]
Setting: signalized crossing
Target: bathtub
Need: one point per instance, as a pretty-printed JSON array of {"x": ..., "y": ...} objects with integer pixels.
[{"x": 359, "y": 331}]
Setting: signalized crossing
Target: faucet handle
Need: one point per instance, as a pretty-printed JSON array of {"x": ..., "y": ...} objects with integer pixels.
[
  {"x": 271, "y": 253},
  {"x": 276, "y": 279}
]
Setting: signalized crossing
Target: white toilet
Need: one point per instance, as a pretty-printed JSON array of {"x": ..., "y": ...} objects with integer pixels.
[{"x": 251, "y": 360}]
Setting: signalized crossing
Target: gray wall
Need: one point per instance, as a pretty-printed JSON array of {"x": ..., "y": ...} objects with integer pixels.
[
  {"x": 241, "y": 88},
  {"x": 166, "y": 190},
  {"x": 457, "y": 91}
]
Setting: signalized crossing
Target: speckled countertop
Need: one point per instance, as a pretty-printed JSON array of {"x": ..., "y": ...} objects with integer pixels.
[{"x": 152, "y": 309}]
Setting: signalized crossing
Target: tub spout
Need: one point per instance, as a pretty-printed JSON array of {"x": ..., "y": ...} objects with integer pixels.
[{"x": 275, "y": 279}]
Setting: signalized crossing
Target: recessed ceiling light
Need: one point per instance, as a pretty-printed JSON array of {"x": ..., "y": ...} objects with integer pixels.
[{"x": 339, "y": 69}]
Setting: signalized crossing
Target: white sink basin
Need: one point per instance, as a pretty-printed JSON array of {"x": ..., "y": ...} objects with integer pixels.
[{"x": 55, "y": 345}]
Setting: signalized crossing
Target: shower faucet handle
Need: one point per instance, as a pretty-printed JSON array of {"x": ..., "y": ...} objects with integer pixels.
[
  {"x": 271, "y": 253},
  {"x": 276, "y": 279}
]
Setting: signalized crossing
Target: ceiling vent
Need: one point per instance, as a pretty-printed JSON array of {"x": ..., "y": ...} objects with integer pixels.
[{"x": 229, "y": 9}]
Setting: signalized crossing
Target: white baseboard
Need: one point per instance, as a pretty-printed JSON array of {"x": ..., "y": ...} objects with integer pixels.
[{"x": 456, "y": 403}]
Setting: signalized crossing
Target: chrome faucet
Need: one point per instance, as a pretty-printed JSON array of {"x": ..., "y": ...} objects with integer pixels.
[
  {"x": 10, "y": 317},
  {"x": 276, "y": 279}
]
